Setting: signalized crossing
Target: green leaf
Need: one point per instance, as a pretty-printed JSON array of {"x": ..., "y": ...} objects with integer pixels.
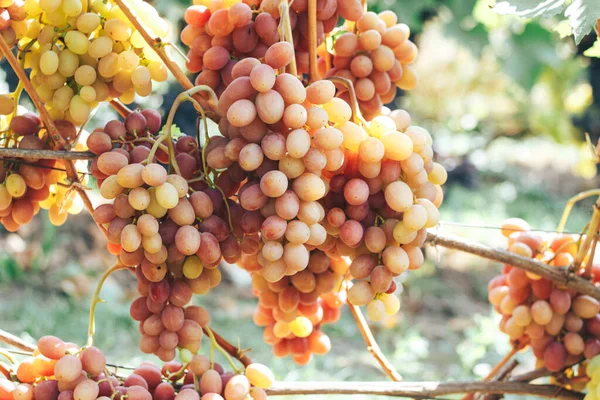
[
  {"x": 593, "y": 51},
  {"x": 582, "y": 15},
  {"x": 530, "y": 8},
  {"x": 530, "y": 52},
  {"x": 176, "y": 133}
]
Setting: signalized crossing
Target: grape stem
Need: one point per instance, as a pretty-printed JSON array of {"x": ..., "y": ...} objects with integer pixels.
[
  {"x": 592, "y": 231},
  {"x": 15, "y": 341},
  {"x": 58, "y": 140},
  {"x": 46, "y": 154},
  {"x": 313, "y": 72},
  {"x": 215, "y": 344},
  {"x": 571, "y": 203},
  {"x": 420, "y": 390},
  {"x": 372, "y": 345},
  {"x": 285, "y": 28},
  {"x": 228, "y": 347},
  {"x": 179, "y": 75},
  {"x": 494, "y": 371},
  {"x": 120, "y": 108},
  {"x": 96, "y": 299},
  {"x": 356, "y": 114},
  {"x": 560, "y": 275}
]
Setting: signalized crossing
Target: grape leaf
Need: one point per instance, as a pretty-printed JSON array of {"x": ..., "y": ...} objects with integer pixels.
[
  {"x": 582, "y": 15},
  {"x": 176, "y": 133},
  {"x": 530, "y": 8},
  {"x": 593, "y": 51}
]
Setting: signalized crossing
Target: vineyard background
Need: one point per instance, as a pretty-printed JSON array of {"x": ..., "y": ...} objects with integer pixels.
[{"x": 508, "y": 102}]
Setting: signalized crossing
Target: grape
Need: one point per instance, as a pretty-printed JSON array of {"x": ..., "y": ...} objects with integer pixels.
[
  {"x": 52, "y": 347},
  {"x": 68, "y": 368}
]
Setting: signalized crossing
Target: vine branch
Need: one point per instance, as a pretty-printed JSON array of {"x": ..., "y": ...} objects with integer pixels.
[
  {"x": 559, "y": 275},
  {"x": 420, "y": 389},
  {"x": 15, "y": 341},
  {"x": 46, "y": 154},
  {"x": 372, "y": 345}
]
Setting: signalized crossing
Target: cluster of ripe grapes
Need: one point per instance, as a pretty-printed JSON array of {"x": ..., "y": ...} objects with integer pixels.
[
  {"x": 80, "y": 57},
  {"x": 372, "y": 50},
  {"x": 174, "y": 232},
  {"x": 62, "y": 370},
  {"x": 28, "y": 184},
  {"x": 12, "y": 15},
  {"x": 562, "y": 326}
]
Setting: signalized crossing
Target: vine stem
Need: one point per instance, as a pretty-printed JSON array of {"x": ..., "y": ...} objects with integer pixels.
[
  {"x": 120, "y": 108},
  {"x": 286, "y": 28},
  {"x": 228, "y": 347},
  {"x": 356, "y": 114},
  {"x": 593, "y": 227},
  {"x": 96, "y": 299},
  {"x": 46, "y": 154},
  {"x": 15, "y": 341},
  {"x": 560, "y": 275},
  {"x": 313, "y": 72},
  {"x": 58, "y": 140},
  {"x": 160, "y": 50},
  {"x": 215, "y": 344},
  {"x": 420, "y": 390},
  {"x": 372, "y": 345},
  {"x": 571, "y": 203}
]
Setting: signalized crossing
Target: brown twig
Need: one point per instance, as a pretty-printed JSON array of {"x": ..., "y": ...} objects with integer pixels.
[
  {"x": 229, "y": 348},
  {"x": 589, "y": 238},
  {"x": 494, "y": 371},
  {"x": 58, "y": 140},
  {"x": 420, "y": 389},
  {"x": 372, "y": 345},
  {"x": 157, "y": 45},
  {"x": 14, "y": 341},
  {"x": 120, "y": 108},
  {"x": 46, "y": 154},
  {"x": 556, "y": 274},
  {"x": 313, "y": 72}
]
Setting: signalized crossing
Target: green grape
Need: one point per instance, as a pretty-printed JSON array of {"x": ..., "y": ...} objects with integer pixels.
[
  {"x": 15, "y": 184},
  {"x": 62, "y": 98},
  {"x": 7, "y": 104},
  {"x": 117, "y": 30},
  {"x": 128, "y": 60},
  {"x": 100, "y": 47},
  {"x": 140, "y": 76},
  {"x": 88, "y": 94},
  {"x": 79, "y": 110},
  {"x": 167, "y": 195},
  {"x": 301, "y": 327},
  {"x": 77, "y": 42},
  {"x": 68, "y": 63},
  {"x": 71, "y": 8},
  {"x": 192, "y": 267},
  {"x": 88, "y": 22},
  {"x": 49, "y": 62}
]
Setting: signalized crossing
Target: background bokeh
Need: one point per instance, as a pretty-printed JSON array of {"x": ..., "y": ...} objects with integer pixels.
[{"x": 508, "y": 103}]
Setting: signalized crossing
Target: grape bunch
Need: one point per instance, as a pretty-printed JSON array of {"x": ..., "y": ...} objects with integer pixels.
[
  {"x": 172, "y": 232},
  {"x": 82, "y": 57},
  {"x": 220, "y": 32},
  {"x": 376, "y": 57},
  {"x": 28, "y": 184},
  {"x": 60, "y": 370},
  {"x": 561, "y": 325},
  {"x": 12, "y": 17}
]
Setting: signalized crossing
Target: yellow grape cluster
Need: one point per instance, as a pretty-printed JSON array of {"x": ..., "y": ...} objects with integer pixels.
[
  {"x": 593, "y": 372},
  {"x": 82, "y": 56},
  {"x": 28, "y": 184}
]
